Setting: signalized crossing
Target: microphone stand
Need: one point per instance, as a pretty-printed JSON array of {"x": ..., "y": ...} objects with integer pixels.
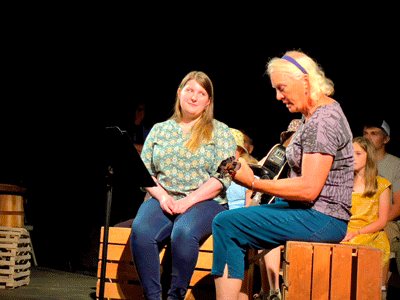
[{"x": 105, "y": 234}]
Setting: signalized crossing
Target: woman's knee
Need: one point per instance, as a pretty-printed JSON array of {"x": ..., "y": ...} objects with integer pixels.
[
  {"x": 222, "y": 217},
  {"x": 181, "y": 235},
  {"x": 144, "y": 232},
  {"x": 226, "y": 219},
  {"x": 150, "y": 224},
  {"x": 138, "y": 233}
]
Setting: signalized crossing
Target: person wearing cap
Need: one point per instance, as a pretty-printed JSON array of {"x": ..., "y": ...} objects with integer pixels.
[
  {"x": 318, "y": 190},
  {"x": 238, "y": 196},
  {"x": 248, "y": 142},
  {"x": 378, "y": 132}
]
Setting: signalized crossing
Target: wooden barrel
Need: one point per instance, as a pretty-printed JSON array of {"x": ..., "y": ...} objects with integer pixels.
[{"x": 11, "y": 206}]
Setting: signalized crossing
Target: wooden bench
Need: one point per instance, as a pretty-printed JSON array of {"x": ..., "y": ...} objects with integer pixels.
[
  {"x": 310, "y": 271},
  {"x": 331, "y": 271},
  {"x": 122, "y": 281}
]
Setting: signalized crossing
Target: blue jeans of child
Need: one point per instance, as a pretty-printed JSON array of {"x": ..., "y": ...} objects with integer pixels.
[
  {"x": 266, "y": 227},
  {"x": 152, "y": 227}
]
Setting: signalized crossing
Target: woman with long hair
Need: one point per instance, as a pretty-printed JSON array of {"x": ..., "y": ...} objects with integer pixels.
[
  {"x": 182, "y": 154},
  {"x": 318, "y": 190}
]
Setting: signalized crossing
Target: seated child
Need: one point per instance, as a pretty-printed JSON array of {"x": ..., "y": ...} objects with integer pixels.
[
  {"x": 239, "y": 196},
  {"x": 370, "y": 203}
]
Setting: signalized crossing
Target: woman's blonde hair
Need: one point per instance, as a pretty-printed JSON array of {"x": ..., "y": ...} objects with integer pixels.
[
  {"x": 202, "y": 130},
  {"x": 319, "y": 84},
  {"x": 371, "y": 166}
]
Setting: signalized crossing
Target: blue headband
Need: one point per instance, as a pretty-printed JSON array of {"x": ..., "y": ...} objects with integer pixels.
[{"x": 293, "y": 61}]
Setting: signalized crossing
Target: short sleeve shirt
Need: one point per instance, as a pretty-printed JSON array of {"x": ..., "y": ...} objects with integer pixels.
[
  {"x": 179, "y": 170},
  {"x": 389, "y": 168},
  {"x": 328, "y": 132}
]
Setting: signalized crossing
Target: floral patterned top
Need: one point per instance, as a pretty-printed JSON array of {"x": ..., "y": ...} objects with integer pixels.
[{"x": 181, "y": 171}]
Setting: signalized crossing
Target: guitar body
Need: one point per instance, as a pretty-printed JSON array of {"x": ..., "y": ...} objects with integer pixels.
[
  {"x": 272, "y": 167},
  {"x": 269, "y": 168}
]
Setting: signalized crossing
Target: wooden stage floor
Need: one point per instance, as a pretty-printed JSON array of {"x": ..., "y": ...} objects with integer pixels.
[{"x": 49, "y": 284}]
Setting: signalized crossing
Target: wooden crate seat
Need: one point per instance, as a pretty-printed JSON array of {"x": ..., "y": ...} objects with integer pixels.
[
  {"x": 122, "y": 281},
  {"x": 331, "y": 271}
]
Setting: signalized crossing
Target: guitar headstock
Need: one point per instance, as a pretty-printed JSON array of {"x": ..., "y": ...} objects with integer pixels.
[{"x": 228, "y": 167}]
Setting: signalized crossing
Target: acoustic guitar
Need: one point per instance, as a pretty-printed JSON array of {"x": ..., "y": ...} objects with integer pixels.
[{"x": 270, "y": 167}]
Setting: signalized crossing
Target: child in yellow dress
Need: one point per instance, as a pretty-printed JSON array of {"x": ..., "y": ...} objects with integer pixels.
[{"x": 370, "y": 203}]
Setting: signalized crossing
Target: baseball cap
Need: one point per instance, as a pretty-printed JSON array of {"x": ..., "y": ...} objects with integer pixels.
[
  {"x": 379, "y": 123},
  {"x": 292, "y": 128},
  {"x": 239, "y": 138}
]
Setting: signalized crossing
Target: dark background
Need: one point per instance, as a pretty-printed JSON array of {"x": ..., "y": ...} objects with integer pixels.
[{"x": 63, "y": 87}]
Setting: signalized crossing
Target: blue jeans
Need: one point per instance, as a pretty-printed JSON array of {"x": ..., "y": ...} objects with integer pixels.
[
  {"x": 266, "y": 227},
  {"x": 151, "y": 229}
]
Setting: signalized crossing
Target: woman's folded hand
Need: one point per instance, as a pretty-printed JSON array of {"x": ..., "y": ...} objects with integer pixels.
[{"x": 167, "y": 204}]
